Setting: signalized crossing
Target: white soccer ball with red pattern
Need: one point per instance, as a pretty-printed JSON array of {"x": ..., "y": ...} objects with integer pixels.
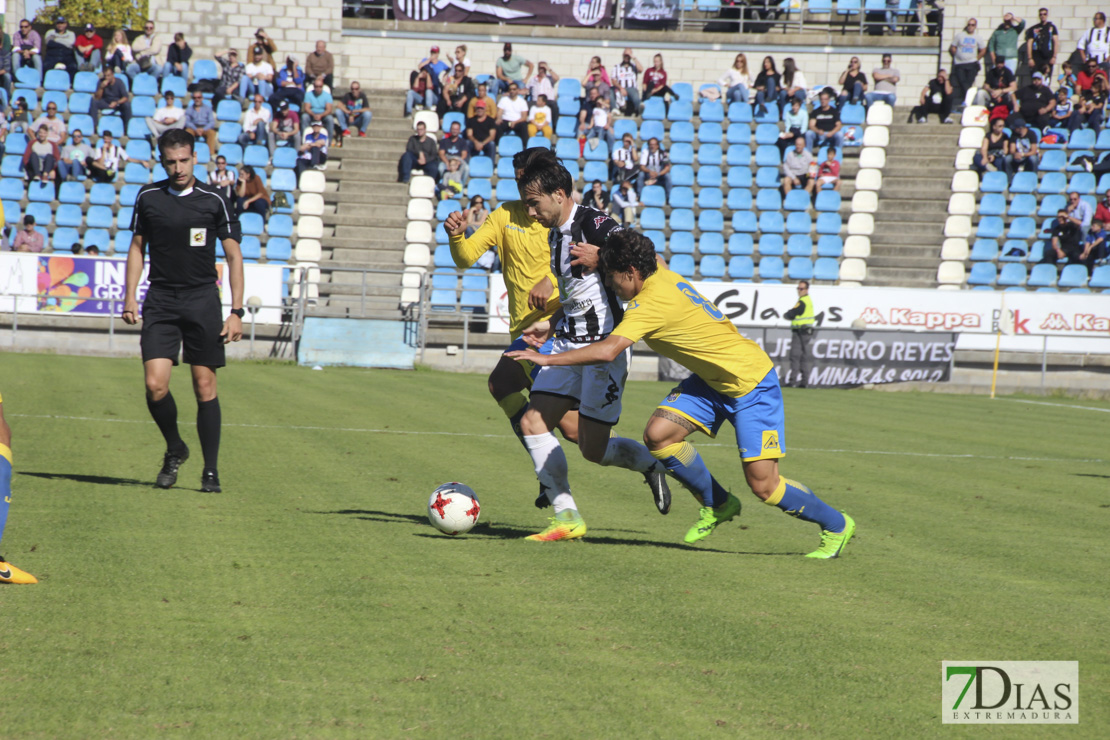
[{"x": 453, "y": 508}]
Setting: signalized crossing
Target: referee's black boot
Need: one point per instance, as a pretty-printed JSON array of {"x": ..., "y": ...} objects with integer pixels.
[
  {"x": 210, "y": 481},
  {"x": 167, "y": 476}
]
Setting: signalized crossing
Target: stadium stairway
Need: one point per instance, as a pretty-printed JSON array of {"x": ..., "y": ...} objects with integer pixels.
[
  {"x": 913, "y": 205},
  {"x": 364, "y": 217}
]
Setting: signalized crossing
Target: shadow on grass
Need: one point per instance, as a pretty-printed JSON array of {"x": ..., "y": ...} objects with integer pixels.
[
  {"x": 1091, "y": 475},
  {"x": 100, "y": 480},
  {"x": 511, "y": 532}
]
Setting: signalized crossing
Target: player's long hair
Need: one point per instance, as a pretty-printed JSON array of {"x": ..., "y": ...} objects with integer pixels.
[
  {"x": 547, "y": 176},
  {"x": 624, "y": 250}
]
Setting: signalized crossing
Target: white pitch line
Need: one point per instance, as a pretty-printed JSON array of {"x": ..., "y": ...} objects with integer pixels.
[
  {"x": 893, "y": 453},
  {"x": 1060, "y": 405}
]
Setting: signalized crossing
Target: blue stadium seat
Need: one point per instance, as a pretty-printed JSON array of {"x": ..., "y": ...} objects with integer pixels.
[
  {"x": 993, "y": 182},
  {"x": 12, "y": 166},
  {"x": 137, "y": 128},
  {"x": 1023, "y": 205},
  {"x": 654, "y": 196},
  {"x": 40, "y": 211},
  {"x": 710, "y": 154},
  {"x": 711, "y": 198},
  {"x": 712, "y": 111},
  {"x": 771, "y": 115},
  {"x": 1042, "y": 276},
  {"x": 826, "y": 269},
  {"x": 682, "y": 242},
  {"x": 250, "y": 248},
  {"x": 124, "y": 216},
  {"x": 711, "y": 243},
  {"x": 56, "y": 97},
  {"x": 796, "y": 200},
  {"x": 830, "y": 245},
  {"x": 658, "y": 239},
  {"x": 251, "y": 223},
  {"x": 482, "y": 166},
  {"x": 798, "y": 223},
  {"x": 738, "y": 155},
  {"x": 739, "y": 200},
  {"x": 828, "y": 201},
  {"x": 17, "y": 142},
  {"x": 767, "y": 156},
  {"x": 595, "y": 171},
  {"x": 567, "y": 127},
  {"x": 989, "y": 227},
  {"x": 12, "y": 188},
  {"x": 229, "y": 132},
  {"x": 739, "y": 112},
  {"x": 442, "y": 239},
  {"x": 285, "y": 180},
  {"x": 110, "y": 123},
  {"x": 984, "y": 273},
  {"x": 1082, "y": 183},
  {"x": 1013, "y": 250},
  {"x": 712, "y": 267},
  {"x": 233, "y": 153},
  {"x": 144, "y": 84},
  {"x": 27, "y": 78},
  {"x": 710, "y": 221},
  {"x": 744, "y": 222},
  {"x": 280, "y": 224},
  {"x": 1083, "y": 138},
  {"x": 506, "y": 191},
  {"x": 1052, "y": 161},
  {"x": 1102, "y": 143},
  {"x": 654, "y": 109},
  {"x": 766, "y": 133},
  {"x": 599, "y": 153},
  {"x": 682, "y": 174},
  {"x": 1022, "y": 228},
  {"x": 453, "y": 117},
  {"x": 771, "y": 245},
  {"x": 741, "y": 268},
  {"x": 741, "y": 244},
  {"x": 1024, "y": 182},
  {"x": 771, "y": 268},
  {"x": 739, "y": 177},
  {"x": 256, "y": 156},
  {"x": 99, "y": 217},
  {"x": 40, "y": 192},
  {"x": 176, "y": 85},
  {"x": 709, "y": 176},
  {"x": 653, "y": 218},
  {"x": 278, "y": 249},
  {"x": 479, "y": 187},
  {"x": 683, "y": 264},
  {"x": 681, "y": 219},
  {"x": 69, "y": 214},
  {"x": 992, "y": 204},
  {"x": 800, "y": 268},
  {"x": 767, "y": 177},
  {"x": 85, "y": 82},
  {"x": 138, "y": 149},
  {"x": 852, "y": 114},
  {"x": 624, "y": 126},
  {"x": 1011, "y": 274},
  {"x": 984, "y": 250},
  {"x": 1074, "y": 160},
  {"x": 680, "y": 110},
  {"x": 572, "y": 168},
  {"x": 682, "y": 153},
  {"x": 63, "y": 238},
  {"x": 683, "y": 91},
  {"x": 98, "y": 238},
  {"x": 1101, "y": 276},
  {"x": 683, "y": 132},
  {"x": 828, "y": 223},
  {"x": 141, "y": 107},
  {"x": 504, "y": 169},
  {"x": 568, "y": 88},
  {"x": 768, "y": 199},
  {"x": 738, "y": 133},
  {"x": 11, "y": 211},
  {"x": 205, "y": 69},
  {"x": 799, "y": 245},
  {"x": 1050, "y": 204},
  {"x": 651, "y": 130},
  {"x": 567, "y": 148}
]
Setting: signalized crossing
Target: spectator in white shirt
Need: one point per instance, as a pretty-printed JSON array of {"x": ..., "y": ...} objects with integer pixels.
[
  {"x": 737, "y": 80},
  {"x": 106, "y": 159},
  {"x": 626, "y": 160},
  {"x": 258, "y": 75},
  {"x": 625, "y": 92},
  {"x": 1095, "y": 43},
  {"x": 256, "y": 122},
  {"x": 625, "y": 203},
  {"x": 224, "y": 178},
  {"x": 512, "y": 113},
  {"x": 169, "y": 116}
]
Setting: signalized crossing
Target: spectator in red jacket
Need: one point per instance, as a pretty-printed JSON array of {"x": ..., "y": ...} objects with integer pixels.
[{"x": 89, "y": 50}]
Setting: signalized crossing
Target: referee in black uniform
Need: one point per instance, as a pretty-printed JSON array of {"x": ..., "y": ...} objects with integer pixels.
[{"x": 179, "y": 219}]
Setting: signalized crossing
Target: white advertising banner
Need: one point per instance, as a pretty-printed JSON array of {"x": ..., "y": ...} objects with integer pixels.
[
  {"x": 1073, "y": 322},
  {"x": 86, "y": 286}
]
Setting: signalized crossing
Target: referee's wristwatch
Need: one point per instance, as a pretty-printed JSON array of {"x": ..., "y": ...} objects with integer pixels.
[{"x": 238, "y": 312}]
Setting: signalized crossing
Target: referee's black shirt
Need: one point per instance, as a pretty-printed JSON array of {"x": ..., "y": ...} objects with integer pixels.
[{"x": 181, "y": 232}]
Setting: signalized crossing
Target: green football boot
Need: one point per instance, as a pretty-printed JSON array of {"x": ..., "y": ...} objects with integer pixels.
[
  {"x": 833, "y": 543},
  {"x": 710, "y": 517}
]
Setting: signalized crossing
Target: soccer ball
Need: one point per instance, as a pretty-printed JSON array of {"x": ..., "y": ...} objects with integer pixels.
[{"x": 453, "y": 508}]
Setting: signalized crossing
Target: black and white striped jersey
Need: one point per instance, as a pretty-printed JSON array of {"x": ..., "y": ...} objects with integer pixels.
[{"x": 590, "y": 309}]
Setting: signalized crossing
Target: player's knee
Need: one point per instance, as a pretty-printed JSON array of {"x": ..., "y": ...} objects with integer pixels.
[
  {"x": 593, "y": 453},
  {"x": 532, "y": 423},
  {"x": 5, "y": 434},
  {"x": 157, "y": 388},
  {"x": 763, "y": 486}
]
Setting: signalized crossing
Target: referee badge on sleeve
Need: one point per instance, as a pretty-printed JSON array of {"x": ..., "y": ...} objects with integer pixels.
[{"x": 198, "y": 237}]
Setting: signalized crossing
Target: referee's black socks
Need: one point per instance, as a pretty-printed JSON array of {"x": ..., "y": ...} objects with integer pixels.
[
  {"x": 164, "y": 412},
  {"x": 208, "y": 429}
]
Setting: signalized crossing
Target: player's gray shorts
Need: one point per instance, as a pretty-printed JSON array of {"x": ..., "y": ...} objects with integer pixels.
[{"x": 597, "y": 388}]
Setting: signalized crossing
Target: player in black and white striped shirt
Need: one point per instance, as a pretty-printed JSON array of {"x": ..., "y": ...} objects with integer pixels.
[
  {"x": 179, "y": 220},
  {"x": 590, "y": 310}
]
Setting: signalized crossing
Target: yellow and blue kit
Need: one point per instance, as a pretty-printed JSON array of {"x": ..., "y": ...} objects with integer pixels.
[
  {"x": 733, "y": 379},
  {"x": 5, "y": 482}
]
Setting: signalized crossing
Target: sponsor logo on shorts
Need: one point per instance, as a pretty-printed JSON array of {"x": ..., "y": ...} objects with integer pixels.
[
  {"x": 674, "y": 396},
  {"x": 612, "y": 393},
  {"x": 770, "y": 440}
]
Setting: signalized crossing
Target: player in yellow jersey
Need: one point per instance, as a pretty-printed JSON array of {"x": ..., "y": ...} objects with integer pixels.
[
  {"x": 8, "y": 572},
  {"x": 733, "y": 379},
  {"x": 526, "y": 265}
]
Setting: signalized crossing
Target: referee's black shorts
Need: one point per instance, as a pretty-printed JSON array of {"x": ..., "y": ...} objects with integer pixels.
[{"x": 190, "y": 316}]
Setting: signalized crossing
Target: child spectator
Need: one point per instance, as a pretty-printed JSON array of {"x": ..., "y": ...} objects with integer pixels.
[
  {"x": 177, "y": 58},
  {"x": 625, "y": 161},
  {"x": 1094, "y": 246},
  {"x": 29, "y": 239},
  {"x": 106, "y": 159},
  {"x": 314, "y": 150},
  {"x": 1091, "y": 103},
  {"x": 251, "y": 195},
  {"x": 89, "y": 50},
  {"x": 539, "y": 117},
  {"x": 601, "y": 125},
  {"x": 828, "y": 174},
  {"x": 1061, "y": 114},
  {"x": 795, "y": 123},
  {"x": 462, "y": 58},
  {"x": 453, "y": 180}
]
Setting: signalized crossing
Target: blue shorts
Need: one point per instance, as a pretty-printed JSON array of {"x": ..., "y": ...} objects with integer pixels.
[
  {"x": 757, "y": 416},
  {"x": 530, "y": 368}
]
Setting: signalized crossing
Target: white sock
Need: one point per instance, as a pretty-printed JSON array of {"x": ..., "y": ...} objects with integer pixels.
[
  {"x": 551, "y": 469},
  {"x": 626, "y": 453}
]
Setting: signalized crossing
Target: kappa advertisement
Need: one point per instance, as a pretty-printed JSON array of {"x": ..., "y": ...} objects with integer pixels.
[
  {"x": 94, "y": 286},
  {"x": 1074, "y": 322},
  {"x": 530, "y": 12}
]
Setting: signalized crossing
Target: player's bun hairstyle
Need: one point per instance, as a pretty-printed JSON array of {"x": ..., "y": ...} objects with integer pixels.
[
  {"x": 624, "y": 250},
  {"x": 523, "y": 158},
  {"x": 547, "y": 176},
  {"x": 174, "y": 138}
]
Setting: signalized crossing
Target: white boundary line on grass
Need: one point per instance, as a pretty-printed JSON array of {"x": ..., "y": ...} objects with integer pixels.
[
  {"x": 1060, "y": 405},
  {"x": 298, "y": 427}
]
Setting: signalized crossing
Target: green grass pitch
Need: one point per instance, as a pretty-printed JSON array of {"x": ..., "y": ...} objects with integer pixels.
[{"x": 313, "y": 600}]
